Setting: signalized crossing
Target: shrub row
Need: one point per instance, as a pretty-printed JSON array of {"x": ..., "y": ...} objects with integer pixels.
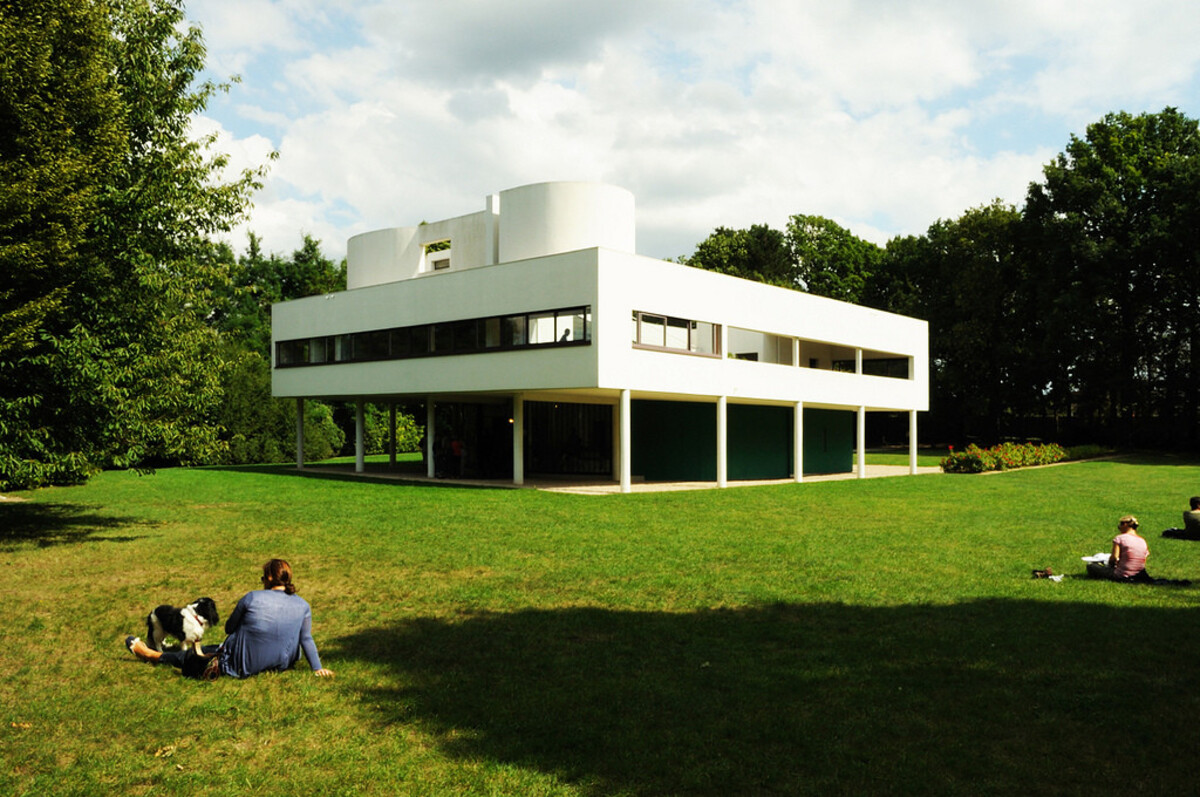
[{"x": 1002, "y": 457}]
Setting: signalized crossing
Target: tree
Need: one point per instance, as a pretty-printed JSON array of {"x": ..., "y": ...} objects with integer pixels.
[
  {"x": 1116, "y": 222},
  {"x": 829, "y": 260},
  {"x": 243, "y": 310},
  {"x": 106, "y": 357},
  {"x": 257, "y": 427},
  {"x": 966, "y": 278},
  {"x": 759, "y": 253},
  {"x": 59, "y": 126},
  {"x": 815, "y": 255}
]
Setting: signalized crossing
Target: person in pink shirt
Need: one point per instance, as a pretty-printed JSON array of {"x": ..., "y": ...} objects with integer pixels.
[{"x": 1127, "y": 562}]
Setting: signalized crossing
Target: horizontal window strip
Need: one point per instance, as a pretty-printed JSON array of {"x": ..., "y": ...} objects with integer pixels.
[{"x": 570, "y": 326}]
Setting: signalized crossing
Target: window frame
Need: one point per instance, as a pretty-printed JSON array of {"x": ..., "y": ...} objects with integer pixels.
[
  {"x": 439, "y": 339},
  {"x": 692, "y": 326}
]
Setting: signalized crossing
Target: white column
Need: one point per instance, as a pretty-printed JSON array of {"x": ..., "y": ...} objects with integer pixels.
[
  {"x": 359, "y": 448},
  {"x": 430, "y": 467},
  {"x": 912, "y": 441},
  {"x": 392, "y": 435},
  {"x": 625, "y": 454},
  {"x": 796, "y": 352},
  {"x": 518, "y": 425},
  {"x": 858, "y": 361},
  {"x": 798, "y": 442},
  {"x": 722, "y": 437},
  {"x": 862, "y": 442},
  {"x": 300, "y": 434}
]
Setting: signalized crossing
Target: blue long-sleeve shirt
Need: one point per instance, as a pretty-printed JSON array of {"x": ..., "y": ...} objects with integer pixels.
[{"x": 266, "y": 631}]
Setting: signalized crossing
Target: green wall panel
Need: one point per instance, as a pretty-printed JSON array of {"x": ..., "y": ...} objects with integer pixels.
[
  {"x": 759, "y": 442},
  {"x": 677, "y": 441},
  {"x": 674, "y": 440},
  {"x": 828, "y": 441}
]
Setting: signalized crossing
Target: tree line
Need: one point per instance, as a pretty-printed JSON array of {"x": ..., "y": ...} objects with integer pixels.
[
  {"x": 1072, "y": 318},
  {"x": 128, "y": 338}
]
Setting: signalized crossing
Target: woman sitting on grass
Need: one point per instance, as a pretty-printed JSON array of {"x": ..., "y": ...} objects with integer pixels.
[
  {"x": 266, "y": 631},
  {"x": 1127, "y": 562}
]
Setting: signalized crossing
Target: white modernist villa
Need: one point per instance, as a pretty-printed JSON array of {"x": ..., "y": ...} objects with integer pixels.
[{"x": 542, "y": 345}]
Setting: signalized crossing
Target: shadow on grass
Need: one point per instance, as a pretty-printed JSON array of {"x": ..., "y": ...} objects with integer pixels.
[
  {"x": 55, "y": 524},
  {"x": 989, "y": 697},
  {"x": 1174, "y": 459},
  {"x": 375, "y": 473}
]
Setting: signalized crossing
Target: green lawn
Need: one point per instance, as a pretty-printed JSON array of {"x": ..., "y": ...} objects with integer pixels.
[{"x": 827, "y": 638}]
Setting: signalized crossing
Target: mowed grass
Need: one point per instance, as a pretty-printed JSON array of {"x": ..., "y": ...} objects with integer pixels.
[{"x": 878, "y": 636}]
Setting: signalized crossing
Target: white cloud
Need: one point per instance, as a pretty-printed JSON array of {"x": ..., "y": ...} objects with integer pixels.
[{"x": 882, "y": 116}]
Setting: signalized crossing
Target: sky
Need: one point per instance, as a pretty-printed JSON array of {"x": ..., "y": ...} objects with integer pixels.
[{"x": 883, "y": 116}]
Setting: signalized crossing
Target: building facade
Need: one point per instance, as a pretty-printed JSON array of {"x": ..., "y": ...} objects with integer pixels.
[{"x": 539, "y": 343}]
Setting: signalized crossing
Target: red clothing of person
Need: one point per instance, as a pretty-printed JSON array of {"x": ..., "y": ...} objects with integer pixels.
[{"x": 1133, "y": 555}]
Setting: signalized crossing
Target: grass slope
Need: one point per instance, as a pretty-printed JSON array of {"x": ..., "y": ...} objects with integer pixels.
[{"x": 832, "y": 638}]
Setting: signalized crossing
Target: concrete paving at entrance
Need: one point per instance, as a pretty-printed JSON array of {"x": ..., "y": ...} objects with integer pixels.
[{"x": 598, "y": 487}]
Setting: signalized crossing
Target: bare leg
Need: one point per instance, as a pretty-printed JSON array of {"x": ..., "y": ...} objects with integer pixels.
[{"x": 140, "y": 649}]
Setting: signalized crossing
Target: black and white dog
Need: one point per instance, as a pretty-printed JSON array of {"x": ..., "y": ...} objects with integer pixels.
[{"x": 187, "y": 623}]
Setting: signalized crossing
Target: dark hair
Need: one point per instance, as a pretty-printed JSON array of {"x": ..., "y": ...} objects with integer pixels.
[
  {"x": 1195, "y": 501},
  {"x": 278, "y": 573}
]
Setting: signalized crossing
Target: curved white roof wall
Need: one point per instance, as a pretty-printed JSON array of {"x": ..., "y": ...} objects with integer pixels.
[
  {"x": 518, "y": 224},
  {"x": 551, "y": 218}
]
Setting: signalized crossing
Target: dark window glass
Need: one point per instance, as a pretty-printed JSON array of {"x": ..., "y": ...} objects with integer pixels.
[
  {"x": 451, "y": 337},
  {"x": 894, "y": 367},
  {"x": 443, "y": 338},
  {"x": 491, "y": 333},
  {"x": 319, "y": 350},
  {"x": 514, "y": 330},
  {"x": 343, "y": 348},
  {"x": 371, "y": 345},
  {"x": 466, "y": 336},
  {"x": 401, "y": 342},
  {"x": 419, "y": 340},
  {"x": 292, "y": 352}
]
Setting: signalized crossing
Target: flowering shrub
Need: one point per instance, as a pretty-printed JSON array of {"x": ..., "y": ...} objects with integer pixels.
[{"x": 1002, "y": 457}]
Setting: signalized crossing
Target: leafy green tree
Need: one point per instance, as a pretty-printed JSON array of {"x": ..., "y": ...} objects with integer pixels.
[
  {"x": 60, "y": 125},
  {"x": 759, "y": 253},
  {"x": 966, "y": 277},
  {"x": 257, "y": 281},
  {"x": 408, "y": 433},
  {"x": 829, "y": 260},
  {"x": 259, "y": 428},
  {"x": 108, "y": 206},
  {"x": 1116, "y": 223}
]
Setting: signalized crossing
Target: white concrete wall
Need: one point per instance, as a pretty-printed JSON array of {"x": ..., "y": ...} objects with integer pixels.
[
  {"x": 614, "y": 284},
  {"x": 629, "y": 283},
  {"x": 398, "y": 253},
  {"x": 540, "y": 284},
  {"x": 548, "y": 218},
  {"x": 518, "y": 224},
  {"x": 382, "y": 256},
  {"x": 526, "y": 230}
]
